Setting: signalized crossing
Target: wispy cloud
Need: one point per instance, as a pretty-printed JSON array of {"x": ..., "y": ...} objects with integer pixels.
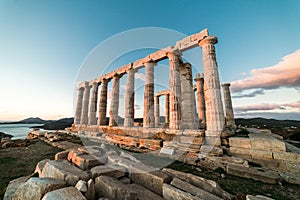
[
  {"x": 140, "y": 76},
  {"x": 284, "y": 74},
  {"x": 293, "y": 105},
  {"x": 252, "y": 94}
]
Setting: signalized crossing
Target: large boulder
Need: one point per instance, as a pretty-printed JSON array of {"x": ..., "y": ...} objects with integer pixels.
[
  {"x": 65, "y": 171},
  {"x": 108, "y": 170},
  {"x": 35, "y": 188},
  {"x": 111, "y": 188},
  {"x": 39, "y": 167},
  {"x": 82, "y": 160},
  {"x": 144, "y": 193},
  {"x": 64, "y": 194},
  {"x": 199, "y": 182},
  {"x": 173, "y": 193},
  {"x": 13, "y": 186}
]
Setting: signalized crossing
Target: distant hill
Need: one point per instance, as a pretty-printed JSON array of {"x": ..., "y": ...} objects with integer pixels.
[
  {"x": 60, "y": 124},
  {"x": 31, "y": 120},
  {"x": 268, "y": 123}
]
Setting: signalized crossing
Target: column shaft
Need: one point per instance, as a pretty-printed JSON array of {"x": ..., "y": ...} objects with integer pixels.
[
  {"x": 103, "y": 103},
  {"x": 228, "y": 105},
  {"x": 157, "y": 116},
  {"x": 167, "y": 119},
  {"x": 148, "y": 116},
  {"x": 188, "y": 102},
  {"x": 175, "y": 91},
  {"x": 114, "y": 105},
  {"x": 93, "y": 105},
  {"x": 213, "y": 102},
  {"x": 85, "y": 107},
  {"x": 129, "y": 99},
  {"x": 78, "y": 111},
  {"x": 200, "y": 98}
]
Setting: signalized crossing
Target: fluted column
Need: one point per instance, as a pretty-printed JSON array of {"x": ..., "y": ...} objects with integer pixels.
[
  {"x": 188, "y": 101},
  {"x": 214, "y": 108},
  {"x": 85, "y": 107},
  {"x": 129, "y": 99},
  {"x": 228, "y": 105},
  {"x": 148, "y": 116},
  {"x": 157, "y": 116},
  {"x": 93, "y": 104},
  {"x": 167, "y": 119},
  {"x": 114, "y": 105},
  {"x": 78, "y": 111},
  {"x": 175, "y": 90},
  {"x": 200, "y": 98},
  {"x": 103, "y": 103}
]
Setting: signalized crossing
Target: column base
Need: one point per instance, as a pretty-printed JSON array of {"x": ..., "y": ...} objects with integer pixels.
[{"x": 212, "y": 138}]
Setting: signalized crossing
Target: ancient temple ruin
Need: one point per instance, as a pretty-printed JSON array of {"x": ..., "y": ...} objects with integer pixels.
[{"x": 207, "y": 120}]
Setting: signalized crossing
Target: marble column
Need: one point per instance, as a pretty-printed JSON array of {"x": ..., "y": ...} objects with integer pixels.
[
  {"x": 188, "y": 101},
  {"x": 79, "y": 106},
  {"x": 114, "y": 104},
  {"x": 129, "y": 99},
  {"x": 85, "y": 107},
  {"x": 228, "y": 105},
  {"x": 93, "y": 104},
  {"x": 103, "y": 103},
  {"x": 200, "y": 98},
  {"x": 175, "y": 90},
  {"x": 157, "y": 116},
  {"x": 215, "y": 120},
  {"x": 167, "y": 119},
  {"x": 148, "y": 116}
]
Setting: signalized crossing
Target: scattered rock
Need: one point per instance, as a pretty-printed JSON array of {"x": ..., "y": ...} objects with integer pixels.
[
  {"x": 13, "y": 186},
  {"x": 81, "y": 186},
  {"x": 64, "y": 194},
  {"x": 211, "y": 150},
  {"x": 63, "y": 155},
  {"x": 108, "y": 170},
  {"x": 143, "y": 193},
  {"x": 111, "y": 188},
  {"x": 257, "y": 197},
  {"x": 64, "y": 171},
  {"x": 35, "y": 188},
  {"x": 39, "y": 167},
  {"x": 172, "y": 193},
  {"x": 90, "y": 193}
]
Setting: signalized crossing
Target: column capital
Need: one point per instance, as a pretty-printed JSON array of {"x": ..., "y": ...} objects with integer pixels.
[
  {"x": 86, "y": 84},
  {"x": 199, "y": 76},
  {"x": 150, "y": 63},
  {"x": 208, "y": 40},
  {"x": 131, "y": 70},
  {"x": 225, "y": 84},
  {"x": 173, "y": 54}
]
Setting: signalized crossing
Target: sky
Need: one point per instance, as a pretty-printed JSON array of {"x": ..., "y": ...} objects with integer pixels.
[{"x": 47, "y": 46}]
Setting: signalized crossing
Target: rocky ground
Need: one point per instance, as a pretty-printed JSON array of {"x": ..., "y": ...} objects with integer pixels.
[{"x": 24, "y": 160}]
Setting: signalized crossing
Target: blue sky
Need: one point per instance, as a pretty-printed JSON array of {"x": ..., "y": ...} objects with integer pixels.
[{"x": 43, "y": 45}]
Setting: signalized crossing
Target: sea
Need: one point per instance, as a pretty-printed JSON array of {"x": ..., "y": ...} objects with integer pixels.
[{"x": 19, "y": 131}]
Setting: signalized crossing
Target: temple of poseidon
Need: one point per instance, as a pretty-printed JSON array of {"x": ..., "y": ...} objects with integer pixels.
[{"x": 181, "y": 112}]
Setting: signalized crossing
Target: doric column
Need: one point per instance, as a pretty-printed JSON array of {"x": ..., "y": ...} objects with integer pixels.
[
  {"x": 114, "y": 104},
  {"x": 103, "y": 103},
  {"x": 157, "y": 116},
  {"x": 175, "y": 90},
  {"x": 188, "y": 102},
  {"x": 148, "y": 116},
  {"x": 213, "y": 102},
  {"x": 167, "y": 119},
  {"x": 93, "y": 104},
  {"x": 78, "y": 106},
  {"x": 200, "y": 98},
  {"x": 85, "y": 107},
  {"x": 228, "y": 105},
  {"x": 129, "y": 99}
]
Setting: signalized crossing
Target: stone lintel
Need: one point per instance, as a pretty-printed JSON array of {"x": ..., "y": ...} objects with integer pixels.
[{"x": 191, "y": 41}]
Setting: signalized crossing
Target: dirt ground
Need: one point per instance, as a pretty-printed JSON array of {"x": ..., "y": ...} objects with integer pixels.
[{"x": 21, "y": 161}]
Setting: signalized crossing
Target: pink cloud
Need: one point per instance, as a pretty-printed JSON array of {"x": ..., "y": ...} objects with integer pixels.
[
  {"x": 266, "y": 107},
  {"x": 284, "y": 74}
]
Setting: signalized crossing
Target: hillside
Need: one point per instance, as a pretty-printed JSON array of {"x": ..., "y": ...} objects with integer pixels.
[{"x": 31, "y": 120}]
